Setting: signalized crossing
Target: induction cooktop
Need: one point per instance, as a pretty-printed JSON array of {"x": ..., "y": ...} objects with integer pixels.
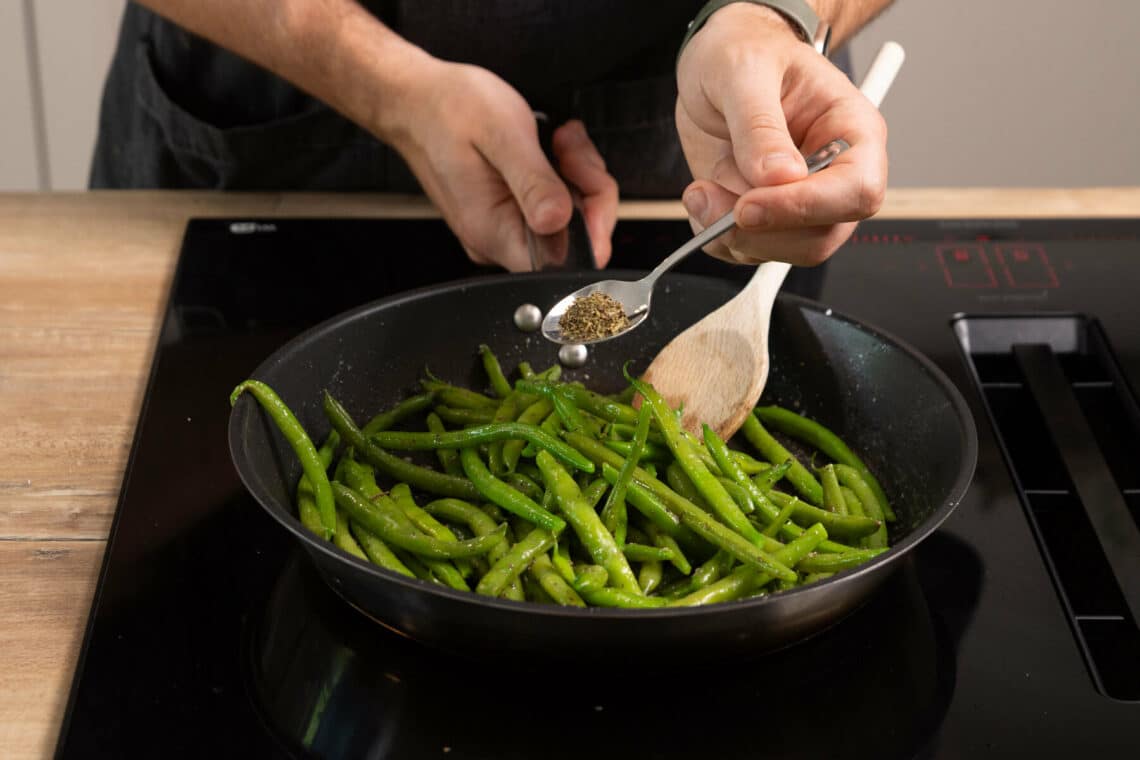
[{"x": 1011, "y": 632}]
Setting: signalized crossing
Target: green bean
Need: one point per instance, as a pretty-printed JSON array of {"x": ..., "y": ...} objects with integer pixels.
[
  {"x": 832, "y": 497},
  {"x": 459, "y": 416},
  {"x": 850, "y": 477},
  {"x": 581, "y": 398},
  {"x": 494, "y": 371},
  {"x": 692, "y": 516},
  {"x": 643, "y": 553},
  {"x": 614, "y": 597},
  {"x": 719, "y": 450},
  {"x": 811, "y": 578},
  {"x": 851, "y": 501},
  {"x": 498, "y": 492},
  {"x": 594, "y": 492},
  {"x": 815, "y": 434},
  {"x": 451, "y": 575},
  {"x": 523, "y": 485},
  {"x": 532, "y": 415},
  {"x": 587, "y": 525},
  {"x": 626, "y": 432},
  {"x": 514, "y": 562},
  {"x": 590, "y": 578},
  {"x": 399, "y": 412},
  {"x": 739, "y": 495},
  {"x": 298, "y": 440},
  {"x": 841, "y": 526},
  {"x": 685, "y": 452},
  {"x": 508, "y": 411},
  {"x": 377, "y": 551},
  {"x": 416, "y": 567},
  {"x": 798, "y": 475},
  {"x": 559, "y": 590},
  {"x": 418, "y": 477},
  {"x": 745, "y": 580},
  {"x": 676, "y": 478},
  {"x": 384, "y": 518},
  {"x": 481, "y": 523},
  {"x": 663, "y": 540},
  {"x": 525, "y": 370},
  {"x": 473, "y": 436},
  {"x": 654, "y": 451},
  {"x": 448, "y": 458},
  {"x": 781, "y": 518},
  {"x": 306, "y": 504},
  {"x": 344, "y": 539},
  {"x": 460, "y": 398},
  {"x": 614, "y": 514},
  {"x": 711, "y": 570},
  {"x": 773, "y": 475},
  {"x": 624, "y": 396},
  {"x": 833, "y": 563},
  {"x": 560, "y": 558},
  {"x": 649, "y": 575}
]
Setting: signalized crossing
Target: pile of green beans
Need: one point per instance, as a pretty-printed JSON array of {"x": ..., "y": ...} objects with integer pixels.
[{"x": 542, "y": 490}]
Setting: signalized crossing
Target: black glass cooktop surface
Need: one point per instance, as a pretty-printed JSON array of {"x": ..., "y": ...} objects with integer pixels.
[{"x": 1009, "y": 633}]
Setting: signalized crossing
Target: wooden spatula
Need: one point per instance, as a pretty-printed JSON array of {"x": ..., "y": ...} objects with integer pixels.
[{"x": 717, "y": 368}]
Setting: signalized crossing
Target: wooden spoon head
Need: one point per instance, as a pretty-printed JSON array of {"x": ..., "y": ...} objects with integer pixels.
[{"x": 714, "y": 371}]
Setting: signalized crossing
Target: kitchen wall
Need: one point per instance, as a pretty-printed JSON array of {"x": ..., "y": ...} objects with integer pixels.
[{"x": 1014, "y": 92}]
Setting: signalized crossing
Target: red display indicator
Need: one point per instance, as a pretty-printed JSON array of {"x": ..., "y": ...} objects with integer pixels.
[
  {"x": 1025, "y": 265},
  {"x": 965, "y": 265}
]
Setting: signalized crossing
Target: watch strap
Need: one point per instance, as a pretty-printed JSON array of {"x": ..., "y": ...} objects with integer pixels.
[{"x": 796, "y": 12}]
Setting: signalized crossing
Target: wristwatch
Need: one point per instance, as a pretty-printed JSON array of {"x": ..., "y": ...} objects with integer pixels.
[{"x": 797, "y": 12}]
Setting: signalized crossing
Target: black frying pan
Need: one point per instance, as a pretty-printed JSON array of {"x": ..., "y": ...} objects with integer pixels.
[{"x": 892, "y": 405}]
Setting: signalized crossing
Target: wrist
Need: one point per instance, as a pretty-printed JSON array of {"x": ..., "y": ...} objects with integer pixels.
[{"x": 752, "y": 16}]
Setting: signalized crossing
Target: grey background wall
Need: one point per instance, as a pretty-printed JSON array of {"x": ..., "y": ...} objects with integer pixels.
[{"x": 993, "y": 93}]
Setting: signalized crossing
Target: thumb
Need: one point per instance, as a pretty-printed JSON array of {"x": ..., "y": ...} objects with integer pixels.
[{"x": 764, "y": 150}]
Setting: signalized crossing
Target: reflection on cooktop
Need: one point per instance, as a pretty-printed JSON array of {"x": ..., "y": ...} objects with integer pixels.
[{"x": 330, "y": 681}]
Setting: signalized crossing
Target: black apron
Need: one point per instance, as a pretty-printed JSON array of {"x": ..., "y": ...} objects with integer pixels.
[{"x": 180, "y": 112}]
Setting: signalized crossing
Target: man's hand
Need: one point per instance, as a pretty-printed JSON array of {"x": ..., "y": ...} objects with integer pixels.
[
  {"x": 751, "y": 96},
  {"x": 469, "y": 137},
  {"x": 472, "y": 141}
]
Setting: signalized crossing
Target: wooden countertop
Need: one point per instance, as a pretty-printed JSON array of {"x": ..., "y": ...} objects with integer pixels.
[{"x": 83, "y": 281}]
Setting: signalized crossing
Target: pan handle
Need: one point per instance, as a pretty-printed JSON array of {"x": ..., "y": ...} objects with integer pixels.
[{"x": 568, "y": 249}]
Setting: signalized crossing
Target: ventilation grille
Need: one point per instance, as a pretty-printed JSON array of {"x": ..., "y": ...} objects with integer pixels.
[{"x": 1070, "y": 431}]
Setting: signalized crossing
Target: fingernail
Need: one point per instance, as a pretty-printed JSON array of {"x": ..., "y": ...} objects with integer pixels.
[
  {"x": 696, "y": 202},
  {"x": 776, "y": 160},
  {"x": 752, "y": 215},
  {"x": 546, "y": 213}
]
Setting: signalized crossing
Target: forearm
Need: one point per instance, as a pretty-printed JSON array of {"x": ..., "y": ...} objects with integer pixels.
[{"x": 333, "y": 49}]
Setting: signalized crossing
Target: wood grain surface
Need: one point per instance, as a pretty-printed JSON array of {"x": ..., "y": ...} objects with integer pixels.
[{"x": 83, "y": 281}]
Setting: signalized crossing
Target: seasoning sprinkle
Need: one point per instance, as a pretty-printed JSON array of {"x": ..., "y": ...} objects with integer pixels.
[{"x": 593, "y": 316}]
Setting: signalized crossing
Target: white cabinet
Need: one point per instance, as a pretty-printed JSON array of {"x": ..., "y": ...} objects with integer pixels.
[
  {"x": 18, "y": 164},
  {"x": 54, "y": 56}
]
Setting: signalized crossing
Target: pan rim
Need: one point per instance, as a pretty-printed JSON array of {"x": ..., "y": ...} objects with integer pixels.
[{"x": 967, "y": 434}]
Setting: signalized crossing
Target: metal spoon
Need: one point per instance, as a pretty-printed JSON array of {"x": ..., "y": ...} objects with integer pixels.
[{"x": 635, "y": 295}]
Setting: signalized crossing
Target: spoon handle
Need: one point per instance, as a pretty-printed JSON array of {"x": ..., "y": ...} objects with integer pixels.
[{"x": 821, "y": 159}]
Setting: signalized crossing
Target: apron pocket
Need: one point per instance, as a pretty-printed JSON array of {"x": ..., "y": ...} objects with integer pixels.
[{"x": 317, "y": 149}]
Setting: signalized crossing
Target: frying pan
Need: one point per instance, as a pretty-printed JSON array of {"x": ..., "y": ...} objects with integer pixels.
[{"x": 891, "y": 405}]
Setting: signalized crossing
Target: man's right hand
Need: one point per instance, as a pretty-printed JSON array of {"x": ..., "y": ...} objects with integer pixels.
[{"x": 472, "y": 142}]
